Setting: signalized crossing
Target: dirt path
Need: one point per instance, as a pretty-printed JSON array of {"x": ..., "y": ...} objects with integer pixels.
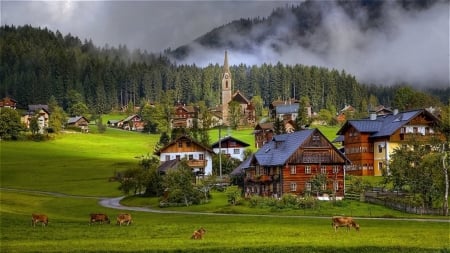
[{"x": 114, "y": 203}]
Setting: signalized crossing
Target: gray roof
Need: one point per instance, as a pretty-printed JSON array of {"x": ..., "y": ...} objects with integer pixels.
[
  {"x": 244, "y": 165},
  {"x": 383, "y": 125},
  {"x": 278, "y": 151},
  {"x": 73, "y": 120},
  {"x": 285, "y": 109}
]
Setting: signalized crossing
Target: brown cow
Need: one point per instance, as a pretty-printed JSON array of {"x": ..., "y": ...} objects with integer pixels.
[
  {"x": 99, "y": 217},
  {"x": 198, "y": 234},
  {"x": 124, "y": 218},
  {"x": 342, "y": 221},
  {"x": 35, "y": 218}
]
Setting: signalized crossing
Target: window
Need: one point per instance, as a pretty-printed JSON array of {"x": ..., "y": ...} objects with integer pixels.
[
  {"x": 201, "y": 157},
  {"x": 236, "y": 151},
  {"x": 336, "y": 186},
  {"x": 308, "y": 186},
  {"x": 324, "y": 187},
  {"x": 188, "y": 144},
  {"x": 380, "y": 148},
  {"x": 191, "y": 157},
  {"x": 167, "y": 157},
  {"x": 178, "y": 157},
  {"x": 308, "y": 170},
  {"x": 323, "y": 169},
  {"x": 380, "y": 165},
  {"x": 293, "y": 187},
  {"x": 293, "y": 170},
  {"x": 335, "y": 169},
  {"x": 180, "y": 144}
]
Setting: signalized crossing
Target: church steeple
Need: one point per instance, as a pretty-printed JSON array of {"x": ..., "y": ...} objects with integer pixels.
[
  {"x": 226, "y": 89},
  {"x": 226, "y": 68}
]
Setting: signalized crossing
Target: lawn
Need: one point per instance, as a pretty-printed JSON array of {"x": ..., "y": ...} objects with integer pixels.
[{"x": 79, "y": 165}]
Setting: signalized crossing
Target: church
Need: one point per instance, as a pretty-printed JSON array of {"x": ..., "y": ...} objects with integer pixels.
[{"x": 235, "y": 109}]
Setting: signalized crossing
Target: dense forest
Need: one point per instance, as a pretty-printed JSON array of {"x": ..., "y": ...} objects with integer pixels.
[{"x": 37, "y": 63}]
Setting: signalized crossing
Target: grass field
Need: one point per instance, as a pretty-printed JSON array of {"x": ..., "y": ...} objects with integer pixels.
[{"x": 79, "y": 166}]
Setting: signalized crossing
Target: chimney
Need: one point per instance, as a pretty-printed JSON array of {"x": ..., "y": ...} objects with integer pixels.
[
  {"x": 395, "y": 111},
  {"x": 373, "y": 116}
]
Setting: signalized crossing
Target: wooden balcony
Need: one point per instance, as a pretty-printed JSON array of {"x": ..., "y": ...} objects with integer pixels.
[{"x": 197, "y": 163}]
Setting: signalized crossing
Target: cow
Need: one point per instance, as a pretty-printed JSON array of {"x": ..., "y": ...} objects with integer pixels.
[
  {"x": 198, "y": 234},
  {"x": 124, "y": 218},
  {"x": 342, "y": 221},
  {"x": 35, "y": 218},
  {"x": 99, "y": 217}
]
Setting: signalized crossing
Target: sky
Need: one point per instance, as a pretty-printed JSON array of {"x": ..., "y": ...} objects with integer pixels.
[{"x": 408, "y": 47}]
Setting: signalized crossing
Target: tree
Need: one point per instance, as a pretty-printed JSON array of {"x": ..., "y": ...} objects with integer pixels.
[
  {"x": 303, "y": 120},
  {"x": 416, "y": 168},
  {"x": 228, "y": 164},
  {"x": 34, "y": 126},
  {"x": 179, "y": 182},
  {"x": 57, "y": 119},
  {"x": 317, "y": 182},
  {"x": 258, "y": 103},
  {"x": 10, "y": 126},
  {"x": 234, "y": 116}
]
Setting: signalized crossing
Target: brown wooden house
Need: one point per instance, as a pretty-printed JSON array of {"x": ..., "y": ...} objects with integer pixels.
[
  {"x": 264, "y": 133},
  {"x": 369, "y": 143},
  {"x": 80, "y": 122},
  {"x": 8, "y": 102},
  {"x": 288, "y": 163},
  {"x": 183, "y": 116}
]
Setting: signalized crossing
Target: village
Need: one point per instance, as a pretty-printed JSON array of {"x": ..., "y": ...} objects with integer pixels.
[{"x": 287, "y": 161}]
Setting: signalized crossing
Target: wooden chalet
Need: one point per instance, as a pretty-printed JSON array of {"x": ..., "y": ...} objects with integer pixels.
[
  {"x": 198, "y": 156},
  {"x": 368, "y": 143},
  {"x": 231, "y": 147},
  {"x": 264, "y": 133},
  {"x": 80, "y": 122},
  {"x": 133, "y": 123},
  {"x": 184, "y": 116},
  {"x": 8, "y": 102},
  {"x": 288, "y": 163}
]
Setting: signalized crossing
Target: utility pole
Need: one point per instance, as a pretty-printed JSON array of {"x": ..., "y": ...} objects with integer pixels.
[{"x": 220, "y": 152}]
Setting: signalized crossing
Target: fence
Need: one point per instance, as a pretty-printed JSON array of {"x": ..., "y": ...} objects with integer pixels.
[{"x": 398, "y": 201}]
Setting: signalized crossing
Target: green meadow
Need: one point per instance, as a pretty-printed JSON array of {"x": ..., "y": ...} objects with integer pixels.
[{"x": 67, "y": 176}]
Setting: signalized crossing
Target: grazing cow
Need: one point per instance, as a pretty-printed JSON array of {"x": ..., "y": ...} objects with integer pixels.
[
  {"x": 342, "y": 221},
  {"x": 99, "y": 217},
  {"x": 124, "y": 218},
  {"x": 35, "y": 218},
  {"x": 198, "y": 234}
]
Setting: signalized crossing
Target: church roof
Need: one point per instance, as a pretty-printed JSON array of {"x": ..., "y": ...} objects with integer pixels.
[{"x": 240, "y": 98}]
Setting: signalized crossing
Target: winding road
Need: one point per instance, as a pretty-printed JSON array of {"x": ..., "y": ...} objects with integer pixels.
[{"x": 114, "y": 203}]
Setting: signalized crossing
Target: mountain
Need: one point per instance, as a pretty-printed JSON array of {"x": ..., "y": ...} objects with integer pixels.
[{"x": 357, "y": 36}]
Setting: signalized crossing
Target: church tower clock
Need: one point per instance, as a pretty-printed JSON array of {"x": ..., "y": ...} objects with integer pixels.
[{"x": 226, "y": 89}]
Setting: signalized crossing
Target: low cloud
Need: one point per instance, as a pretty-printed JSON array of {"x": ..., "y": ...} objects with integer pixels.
[{"x": 406, "y": 46}]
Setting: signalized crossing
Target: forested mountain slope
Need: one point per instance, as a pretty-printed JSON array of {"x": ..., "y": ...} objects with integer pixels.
[{"x": 37, "y": 63}]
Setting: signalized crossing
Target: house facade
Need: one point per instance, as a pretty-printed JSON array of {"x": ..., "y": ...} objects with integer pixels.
[
  {"x": 132, "y": 123},
  {"x": 198, "y": 156},
  {"x": 8, "y": 102},
  {"x": 369, "y": 143},
  {"x": 41, "y": 113},
  {"x": 184, "y": 116},
  {"x": 230, "y": 147},
  {"x": 289, "y": 163},
  {"x": 264, "y": 133},
  {"x": 80, "y": 122}
]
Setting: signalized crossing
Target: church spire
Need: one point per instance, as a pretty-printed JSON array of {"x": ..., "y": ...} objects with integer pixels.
[{"x": 226, "y": 68}]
